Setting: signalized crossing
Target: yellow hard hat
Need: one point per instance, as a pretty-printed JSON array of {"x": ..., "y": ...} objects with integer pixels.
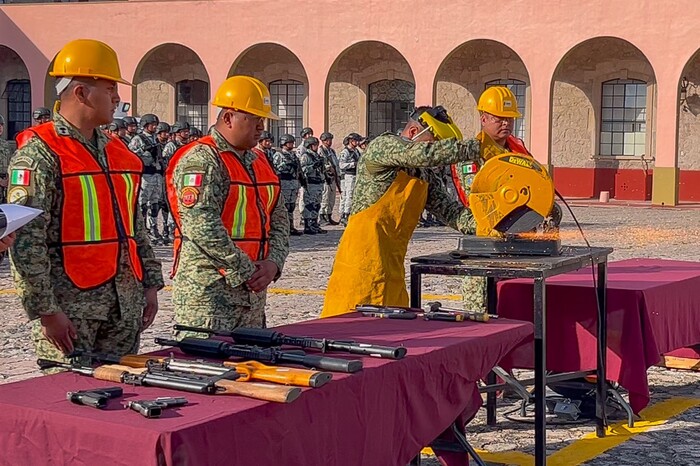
[
  {"x": 87, "y": 58},
  {"x": 438, "y": 122},
  {"x": 246, "y": 94},
  {"x": 499, "y": 101}
]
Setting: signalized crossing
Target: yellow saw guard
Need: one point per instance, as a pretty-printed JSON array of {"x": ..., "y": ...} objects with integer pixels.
[{"x": 511, "y": 194}]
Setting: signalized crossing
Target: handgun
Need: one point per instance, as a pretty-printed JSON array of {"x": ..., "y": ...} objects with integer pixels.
[
  {"x": 154, "y": 408},
  {"x": 97, "y": 397}
]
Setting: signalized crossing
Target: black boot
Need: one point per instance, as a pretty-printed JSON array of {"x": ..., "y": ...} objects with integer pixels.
[
  {"x": 293, "y": 231},
  {"x": 317, "y": 228},
  {"x": 308, "y": 227},
  {"x": 331, "y": 221},
  {"x": 324, "y": 219},
  {"x": 344, "y": 220}
]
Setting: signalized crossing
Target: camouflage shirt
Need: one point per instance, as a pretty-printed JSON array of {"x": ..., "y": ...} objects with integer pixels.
[
  {"x": 5, "y": 154},
  {"x": 148, "y": 149},
  {"x": 208, "y": 252},
  {"x": 388, "y": 154},
  {"x": 348, "y": 160},
  {"x": 37, "y": 264},
  {"x": 286, "y": 163},
  {"x": 312, "y": 167},
  {"x": 331, "y": 163},
  {"x": 169, "y": 150}
]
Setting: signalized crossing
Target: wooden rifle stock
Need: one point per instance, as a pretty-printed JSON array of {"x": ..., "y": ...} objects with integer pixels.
[{"x": 249, "y": 371}]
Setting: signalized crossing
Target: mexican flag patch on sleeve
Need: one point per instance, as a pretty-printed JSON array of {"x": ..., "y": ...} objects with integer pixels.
[
  {"x": 192, "y": 179},
  {"x": 20, "y": 177},
  {"x": 470, "y": 169}
]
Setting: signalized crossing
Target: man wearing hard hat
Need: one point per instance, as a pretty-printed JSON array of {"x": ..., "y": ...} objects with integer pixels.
[
  {"x": 392, "y": 189},
  {"x": 232, "y": 231},
  {"x": 85, "y": 271},
  {"x": 498, "y": 110}
]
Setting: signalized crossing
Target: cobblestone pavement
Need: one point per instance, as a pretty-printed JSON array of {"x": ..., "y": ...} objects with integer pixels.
[{"x": 632, "y": 231}]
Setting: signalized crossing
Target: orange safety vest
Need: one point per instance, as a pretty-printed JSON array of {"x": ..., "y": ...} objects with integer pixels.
[
  {"x": 248, "y": 207},
  {"x": 98, "y": 210},
  {"x": 512, "y": 143},
  {"x": 23, "y": 137}
]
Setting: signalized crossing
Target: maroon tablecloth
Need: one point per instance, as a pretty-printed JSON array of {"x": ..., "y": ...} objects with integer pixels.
[
  {"x": 382, "y": 415},
  {"x": 653, "y": 308}
]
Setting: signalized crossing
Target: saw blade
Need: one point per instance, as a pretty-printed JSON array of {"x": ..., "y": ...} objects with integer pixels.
[{"x": 520, "y": 220}]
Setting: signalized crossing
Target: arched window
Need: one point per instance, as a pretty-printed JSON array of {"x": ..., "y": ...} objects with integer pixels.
[
  {"x": 518, "y": 88},
  {"x": 391, "y": 102},
  {"x": 288, "y": 103},
  {"x": 18, "y": 93},
  {"x": 192, "y": 97},
  {"x": 623, "y": 122}
]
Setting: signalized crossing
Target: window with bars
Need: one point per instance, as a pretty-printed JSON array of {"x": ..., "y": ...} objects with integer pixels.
[
  {"x": 192, "y": 97},
  {"x": 18, "y": 94},
  {"x": 623, "y": 121},
  {"x": 288, "y": 103},
  {"x": 518, "y": 88},
  {"x": 391, "y": 102}
]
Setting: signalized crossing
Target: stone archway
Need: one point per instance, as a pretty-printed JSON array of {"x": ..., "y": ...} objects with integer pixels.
[
  {"x": 351, "y": 108},
  {"x": 603, "y": 103},
  {"x": 15, "y": 93},
  {"x": 172, "y": 82},
  {"x": 689, "y": 131},
  {"x": 472, "y": 67},
  {"x": 284, "y": 74}
]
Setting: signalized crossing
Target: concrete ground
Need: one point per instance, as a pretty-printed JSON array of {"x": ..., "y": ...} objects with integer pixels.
[{"x": 670, "y": 433}]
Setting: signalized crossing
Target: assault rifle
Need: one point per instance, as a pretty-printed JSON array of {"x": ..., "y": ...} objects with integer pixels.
[
  {"x": 221, "y": 350},
  {"x": 268, "y": 338},
  {"x": 247, "y": 370},
  {"x": 224, "y": 384}
]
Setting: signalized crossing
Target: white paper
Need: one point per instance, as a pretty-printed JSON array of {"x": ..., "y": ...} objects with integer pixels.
[{"x": 15, "y": 217}]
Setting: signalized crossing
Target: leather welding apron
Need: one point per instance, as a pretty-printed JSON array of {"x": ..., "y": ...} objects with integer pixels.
[{"x": 369, "y": 264}]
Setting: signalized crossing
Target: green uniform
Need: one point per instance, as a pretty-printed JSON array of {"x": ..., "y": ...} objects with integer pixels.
[
  {"x": 107, "y": 318},
  {"x": 209, "y": 288},
  {"x": 388, "y": 154}
]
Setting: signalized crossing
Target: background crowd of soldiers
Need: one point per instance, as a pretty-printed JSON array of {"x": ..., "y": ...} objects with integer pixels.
[{"x": 311, "y": 173}]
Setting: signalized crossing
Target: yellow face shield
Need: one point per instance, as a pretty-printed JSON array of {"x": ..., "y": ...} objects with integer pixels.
[{"x": 439, "y": 123}]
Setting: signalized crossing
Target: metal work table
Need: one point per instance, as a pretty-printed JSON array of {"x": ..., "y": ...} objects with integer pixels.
[{"x": 539, "y": 268}]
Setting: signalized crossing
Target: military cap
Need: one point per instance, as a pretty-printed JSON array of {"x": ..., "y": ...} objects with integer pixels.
[
  {"x": 286, "y": 139},
  {"x": 310, "y": 141},
  {"x": 266, "y": 135},
  {"x": 129, "y": 120},
  {"x": 149, "y": 118},
  {"x": 306, "y": 131},
  {"x": 40, "y": 112},
  {"x": 163, "y": 127},
  {"x": 325, "y": 136}
]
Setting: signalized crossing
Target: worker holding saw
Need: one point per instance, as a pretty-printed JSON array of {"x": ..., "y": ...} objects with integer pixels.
[
  {"x": 498, "y": 110},
  {"x": 393, "y": 187}
]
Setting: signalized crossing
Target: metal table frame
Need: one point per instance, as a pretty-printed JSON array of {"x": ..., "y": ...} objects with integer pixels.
[{"x": 539, "y": 269}]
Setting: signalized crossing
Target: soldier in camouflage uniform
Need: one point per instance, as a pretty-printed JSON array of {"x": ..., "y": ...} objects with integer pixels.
[
  {"x": 286, "y": 165},
  {"x": 64, "y": 292},
  {"x": 347, "y": 160},
  {"x": 5, "y": 154},
  {"x": 264, "y": 147},
  {"x": 180, "y": 133},
  {"x": 233, "y": 250},
  {"x": 131, "y": 128},
  {"x": 149, "y": 150},
  {"x": 332, "y": 178},
  {"x": 313, "y": 176},
  {"x": 499, "y": 109},
  {"x": 41, "y": 115},
  {"x": 393, "y": 187}
]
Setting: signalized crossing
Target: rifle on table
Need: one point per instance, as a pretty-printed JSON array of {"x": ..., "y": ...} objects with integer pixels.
[
  {"x": 221, "y": 350},
  {"x": 224, "y": 384},
  {"x": 431, "y": 311},
  {"x": 247, "y": 370},
  {"x": 268, "y": 338}
]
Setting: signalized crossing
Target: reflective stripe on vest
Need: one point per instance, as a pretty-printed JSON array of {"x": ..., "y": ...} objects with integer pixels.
[
  {"x": 98, "y": 208},
  {"x": 513, "y": 144},
  {"x": 248, "y": 206}
]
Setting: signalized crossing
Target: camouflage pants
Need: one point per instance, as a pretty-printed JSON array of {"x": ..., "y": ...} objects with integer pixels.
[
  {"x": 312, "y": 201},
  {"x": 217, "y": 306},
  {"x": 115, "y": 336},
  {"x": 151, "y": 198},
  {"x": 328, "y": 199},
  {"x": 346, "y": 196},
  {"x": 290, "y": 191},
  {"x": 474, "y": 294}
]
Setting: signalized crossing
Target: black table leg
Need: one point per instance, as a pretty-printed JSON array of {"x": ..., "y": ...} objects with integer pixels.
[
  {"x": 491, "y": 401},
  {"x": 540, "y": 321},
  {"x": 491, "y": 306},
  {"x": 415, "y": 288},
  {"x": 601, "y": 386}
]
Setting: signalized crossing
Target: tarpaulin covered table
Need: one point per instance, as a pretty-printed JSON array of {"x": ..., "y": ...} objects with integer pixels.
[
  {"x": 381, "y": 415},
  {"x": 653, "y": 308}
]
